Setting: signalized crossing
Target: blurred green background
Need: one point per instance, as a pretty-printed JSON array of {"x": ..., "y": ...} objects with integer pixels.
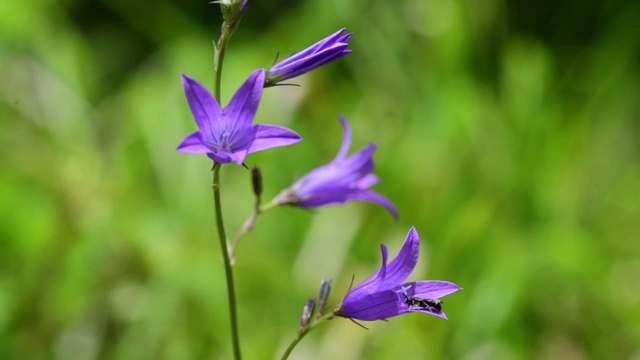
[{"x": 508, "y": 133}]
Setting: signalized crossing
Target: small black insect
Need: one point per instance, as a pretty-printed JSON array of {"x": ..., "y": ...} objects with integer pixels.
[{"x": 423, "y": 303}]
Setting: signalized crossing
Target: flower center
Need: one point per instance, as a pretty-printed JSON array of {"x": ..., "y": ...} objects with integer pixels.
[{"x": 224, "y": 142}]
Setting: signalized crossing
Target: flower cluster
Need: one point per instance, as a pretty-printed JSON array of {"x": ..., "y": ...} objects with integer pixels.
[{"x": 229, "y": 135}]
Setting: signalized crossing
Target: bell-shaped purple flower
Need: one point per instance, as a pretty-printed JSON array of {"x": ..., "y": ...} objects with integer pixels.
[
  {"x": 228, "y": 135},
  {"x": 384, "y": 295},
  {"x": 324, "y": 51},
  {"x": 343, "y": 179}
]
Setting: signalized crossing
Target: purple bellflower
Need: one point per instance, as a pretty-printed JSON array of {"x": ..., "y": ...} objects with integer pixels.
[
  {"x": 227, "y": 135},
  {"x": 384, "y": 294},
  {"x": 343, "y": 179},
  {"x": 323, "y": 52}
]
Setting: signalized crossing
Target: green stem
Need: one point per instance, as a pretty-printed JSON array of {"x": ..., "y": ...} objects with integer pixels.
[
  {"x": 227, "y": 263},
  {"x": 248, "y": 227},
  {"x": 304, "y": 332},
  {"x": 273, "y": 203},
  {"x": 219, "y": 58}
]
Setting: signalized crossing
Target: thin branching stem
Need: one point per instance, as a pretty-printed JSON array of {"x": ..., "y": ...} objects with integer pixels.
[
  {"x": 221, "y": 49},
  {"x": 227, "y": 262},
  {"x": 248, "y": 226},
  {"x": 302, "y": 332}
]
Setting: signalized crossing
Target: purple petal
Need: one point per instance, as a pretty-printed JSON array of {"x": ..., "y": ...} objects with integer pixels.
[
  {"x": 239, "y": 156},
  {"x": 401, "y": 267},
  {"x": 243, "y": 106},
  {"x": 368, "y": 181},
  {"x": 379, "y": 281},
  {"x": 220, "y": 157},
  {"x": 298, "y": 67},
  {"x": 268, "y": 136},
  {"x": 321, "y": 197},
  {"x": 332, "y": 182},
  {"x": 374, "y": 197},
  {"x": 372, "y": 284},
  {"x": 192, "y": 144},
  {"x": 344, "y": 38},
  {"x": 376, "y": 306},
  {"x": 430, "y": 311},
  {"x": 278, "y": 70},
  {"x": 337, "y": 176},
  {"x": 322, "y": 52},
  {"x": 242, "y": 139},
  {"x": 341, "y": 180},
  {"x": 346, "y": 140},
  {"x": 333, "y": 38},
  {"x": 432, "y": 289},
  {"x": 359, "y": 163},
  {"x": 204, "y": 107}
]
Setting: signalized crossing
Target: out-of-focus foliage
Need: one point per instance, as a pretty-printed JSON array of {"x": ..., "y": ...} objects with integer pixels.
[{"x": 508, "y": 133}]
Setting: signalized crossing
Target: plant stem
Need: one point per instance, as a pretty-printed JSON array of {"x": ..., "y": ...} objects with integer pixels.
[
  {"x": 302, "y": 333},
  {"x": 248, "y": 226},
  {"x": 273, "y": 203},
  {"x": 221, "y": 49},
  {"x": 227, "y": 263}
]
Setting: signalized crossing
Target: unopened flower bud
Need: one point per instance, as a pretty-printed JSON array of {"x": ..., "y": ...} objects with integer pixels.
[
  {"x": 323, "y": 52},
  {"x": 256, "y": 181},
  {"x": 325, "y": 288},
  {"x": 307, "y": 312}
]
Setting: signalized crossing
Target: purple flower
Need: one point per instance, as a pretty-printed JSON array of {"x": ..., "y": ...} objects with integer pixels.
[
  {"x": 227, "y": 135},
  {"x": 324, "y": 51},
  {"x": 343, "y": 179},
  {"x": 383, "y": 295}
]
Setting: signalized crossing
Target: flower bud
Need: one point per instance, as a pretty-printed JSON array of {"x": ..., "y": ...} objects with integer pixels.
[
  {"x": 323, "y": 52},
  {"x": 307, "y": 312},
  {"x": 325, "y": 288},
  {"x": 256, "y": 181}
]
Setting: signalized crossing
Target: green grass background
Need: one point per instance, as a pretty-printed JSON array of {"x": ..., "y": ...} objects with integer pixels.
[{"x": 508, "y": 133}]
